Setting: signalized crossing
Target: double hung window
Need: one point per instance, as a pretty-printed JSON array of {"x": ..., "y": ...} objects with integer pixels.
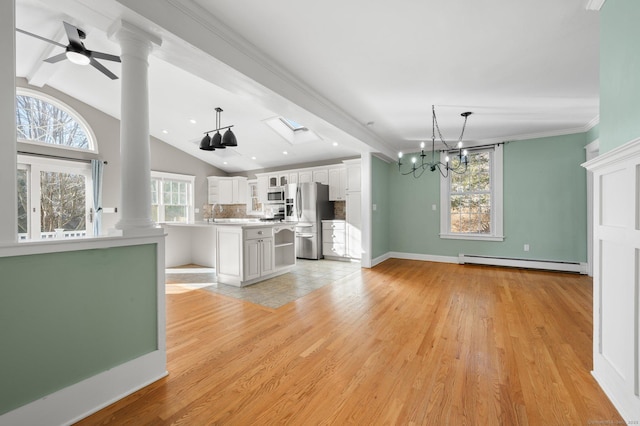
[
  {"x": 472, "y": 201},
  {"x": 172, "y": 197}
]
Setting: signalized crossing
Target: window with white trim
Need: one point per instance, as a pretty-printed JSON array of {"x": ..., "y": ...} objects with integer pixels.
[
  {"x": 172, "y": 197},
  {"x": 55, "y": 197},
  {"x": 471, "y": 202}
]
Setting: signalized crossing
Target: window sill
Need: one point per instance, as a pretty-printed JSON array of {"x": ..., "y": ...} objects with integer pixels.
[{"x": 472, "y": 237}]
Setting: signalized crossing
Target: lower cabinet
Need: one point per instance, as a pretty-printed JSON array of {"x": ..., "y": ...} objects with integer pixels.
[
  {"x": 249, "y": 254},
  {"x": 334, "y": 239},
  {"x": 258, "y": 258}
]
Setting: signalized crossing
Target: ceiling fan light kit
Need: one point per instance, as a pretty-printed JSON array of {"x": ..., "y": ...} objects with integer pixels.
[
  {"x": 459, "y": 166},
  {"x": 218, "y": 141},
  {"x": 76, "y": 52}
]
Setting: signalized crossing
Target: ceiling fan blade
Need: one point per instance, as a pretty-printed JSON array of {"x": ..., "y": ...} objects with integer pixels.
[
  {"x": 41, "y": 38},
  {"x": 103, "y": 69},
  {"x": 72, "y": 33},
  {"x": 57, "y": 58},
  {"x": 105, "y": 56}
]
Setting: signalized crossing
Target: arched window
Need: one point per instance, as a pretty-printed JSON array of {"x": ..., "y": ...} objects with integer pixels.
[
  {"x": 43, "y": 120},
  {"x": 55, "y": 192}
]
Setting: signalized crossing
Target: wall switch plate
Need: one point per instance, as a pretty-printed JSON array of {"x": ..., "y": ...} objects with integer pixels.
[
  {"x": 526, "y": 247},
  {"x": 434, "y": 207},
  {"x": 374, "y": 207}
]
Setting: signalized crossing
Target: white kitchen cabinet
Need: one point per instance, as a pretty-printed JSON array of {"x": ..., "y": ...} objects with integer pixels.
[
  {"x": 305, "y": 176},
  {"x": 293, "y": 177},
  {"x": 283, "y": 179},
  {"x": 273, "y": 181},
  {"x": 253, "y": 198},
  {"x": 334, "y": 239},
  {"x": 263, "y": 187},
  {"x": 227, "y": 190},
  {"x": 337, "y": 184},
  {"x": 252, "y": 252},
  {"x": 258, "y": 257},
  {"x": 353, "y": 175},
  {"x": 321, "y": 176}
]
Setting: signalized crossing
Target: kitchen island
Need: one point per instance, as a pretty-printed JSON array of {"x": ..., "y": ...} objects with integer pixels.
[{"x": 247, "y": 253}]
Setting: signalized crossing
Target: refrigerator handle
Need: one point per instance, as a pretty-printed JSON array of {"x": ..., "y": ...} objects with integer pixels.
[{"x": 299, "y": 202}]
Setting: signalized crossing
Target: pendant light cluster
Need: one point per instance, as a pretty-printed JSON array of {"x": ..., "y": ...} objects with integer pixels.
[{"x": 218, "y": 141}]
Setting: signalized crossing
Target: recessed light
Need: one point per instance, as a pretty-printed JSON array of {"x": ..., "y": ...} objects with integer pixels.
[
  {"x": 165, "y": 131},
  {"x": 335, "y": 144},
  {"x": 225, "y": 163},
  {"x": 192, "y": 121},
  {"x": 253, "y": 158},
  {"x": 285, "y": 152}
]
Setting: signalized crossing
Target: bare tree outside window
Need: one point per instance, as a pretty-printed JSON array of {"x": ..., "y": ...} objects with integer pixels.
[
  {"x": 471, "y": 196},
  {"x": 40, "y": 121}
]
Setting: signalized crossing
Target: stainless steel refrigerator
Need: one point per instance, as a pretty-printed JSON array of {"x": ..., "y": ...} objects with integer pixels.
[{"x": 308, "y": 204}]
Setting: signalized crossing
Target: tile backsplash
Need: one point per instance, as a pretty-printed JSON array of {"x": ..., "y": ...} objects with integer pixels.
[
  {"x": 229, "y": 210},
  {"x": 339, "y": 210}
]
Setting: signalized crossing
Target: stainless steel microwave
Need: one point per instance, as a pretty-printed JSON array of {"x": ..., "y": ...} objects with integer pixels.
[{"x": 275, "y": 195}]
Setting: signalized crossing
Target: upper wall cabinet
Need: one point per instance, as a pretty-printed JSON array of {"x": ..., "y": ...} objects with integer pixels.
[
  {"x": 353, "y": 175},
  {"x": 337, "y": 184},
  {"x": 321, "y": 176},
  {"x": 227, "y": 190}
]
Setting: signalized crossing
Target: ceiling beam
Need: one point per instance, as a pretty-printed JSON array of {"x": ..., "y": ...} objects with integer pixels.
[{"x": 42, "y": 71}]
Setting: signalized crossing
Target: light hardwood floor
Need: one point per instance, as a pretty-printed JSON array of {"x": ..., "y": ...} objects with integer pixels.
[{"x": 406, "y": 342}]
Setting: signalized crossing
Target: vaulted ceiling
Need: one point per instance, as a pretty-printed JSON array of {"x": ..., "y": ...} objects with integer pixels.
[{"x": 361, "y": 74}]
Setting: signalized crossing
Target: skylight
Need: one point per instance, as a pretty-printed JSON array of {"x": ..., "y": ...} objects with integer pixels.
[{"x": 293, "y": 125}]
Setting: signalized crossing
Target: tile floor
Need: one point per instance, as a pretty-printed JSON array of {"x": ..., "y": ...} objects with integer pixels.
[{"x": 307, "y": 276}]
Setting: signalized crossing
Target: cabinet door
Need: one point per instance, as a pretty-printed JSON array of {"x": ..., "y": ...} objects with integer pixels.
[
  {"x": 263, "y": 186},
  {"x": 212, "y": 190},
  {"x": 353, "y": 178},
  {"x": 225, "y": 191},
  {"x": 252, "y": 257},
  {"x": 305, "y": 177},
  {"x": 240, "y": 191},
  {"x": 283, "y": 179},
  {"x": 321, "y": 176},
  {"x": 354, "y": 224},
  {"x": 267, "y": 259},
  {"x": 273, "y": 181},
  {"x": 337, "y": 182},
  {"x": 293, "y": 177}
]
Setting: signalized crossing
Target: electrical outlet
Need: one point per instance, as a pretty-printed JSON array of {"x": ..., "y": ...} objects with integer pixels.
[
  {"x": 434, "y": 207},
  {"x": 526, "y": 247},
  {"x": 375, "y": 207}
]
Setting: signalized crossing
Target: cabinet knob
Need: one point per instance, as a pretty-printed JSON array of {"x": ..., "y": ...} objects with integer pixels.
[{"x": 259, "y": 232}]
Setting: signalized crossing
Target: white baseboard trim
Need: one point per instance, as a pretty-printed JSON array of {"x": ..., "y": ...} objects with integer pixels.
[
  {"x": 78, "y": 401},
  {"x": 424, "y": 257},
  {"x": 380, "y": 259}
]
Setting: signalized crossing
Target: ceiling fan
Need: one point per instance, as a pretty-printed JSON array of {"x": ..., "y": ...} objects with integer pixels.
[{"x": 76, "y": 52}]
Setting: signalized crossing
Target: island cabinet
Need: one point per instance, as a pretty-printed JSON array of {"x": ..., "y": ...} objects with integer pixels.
[{"x": 250, "y": 253}]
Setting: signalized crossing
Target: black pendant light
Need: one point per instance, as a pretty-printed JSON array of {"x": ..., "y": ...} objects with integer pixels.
[
  {"x": 218, "y": 141},
  {"x": 205, "y": 143}
]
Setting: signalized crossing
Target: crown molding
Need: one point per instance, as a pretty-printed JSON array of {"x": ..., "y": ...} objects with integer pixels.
[
  {"x": 594, "y": 4},
  {"x": 539, "y": 135}
]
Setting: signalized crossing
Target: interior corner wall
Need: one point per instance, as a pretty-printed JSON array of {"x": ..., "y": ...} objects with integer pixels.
[
  {"x": 164, "y": 157},
  {"x": 619, "y": 66},
  {"x": 381, "y": 216},
  {"x": 545, "y": 206}
]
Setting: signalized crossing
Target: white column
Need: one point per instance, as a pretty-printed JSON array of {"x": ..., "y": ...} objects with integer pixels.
[
  {"x": 367, "y": 228},
  {"x": 8, "y": 166},
  {"x": 135, "y": 196}
]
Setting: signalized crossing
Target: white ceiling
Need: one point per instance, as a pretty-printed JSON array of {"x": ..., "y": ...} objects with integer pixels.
[{"x": 525, "y": 69}]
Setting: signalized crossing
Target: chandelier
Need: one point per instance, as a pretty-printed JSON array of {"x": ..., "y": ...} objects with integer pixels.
[
  {"x": 218, "y": 141},
  {"x": 456, "y": 165}
]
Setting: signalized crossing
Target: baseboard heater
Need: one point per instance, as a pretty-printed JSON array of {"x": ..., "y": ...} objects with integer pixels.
[{"x": 551, "y": 265}]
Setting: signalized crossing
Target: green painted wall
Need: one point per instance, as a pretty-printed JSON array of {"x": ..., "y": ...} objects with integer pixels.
[
  {"x": 593, "y": 133},
  {"x": 619, "y": 73},
  {"x": 544, "y": 205},
  {"x": 380, "y": 217},
  {"x": 68, "y": 316}
]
